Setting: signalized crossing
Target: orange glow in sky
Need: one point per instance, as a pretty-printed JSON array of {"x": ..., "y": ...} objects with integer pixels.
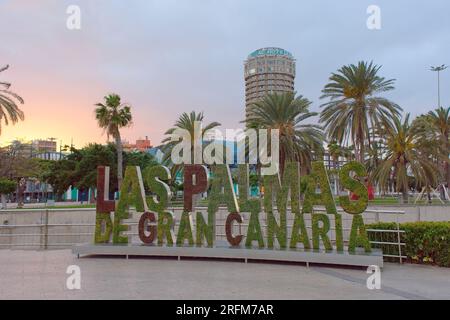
[{"x": 169, "y": 57}]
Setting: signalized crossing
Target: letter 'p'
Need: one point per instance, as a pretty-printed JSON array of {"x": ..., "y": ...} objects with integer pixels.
[{"x": 195, "y": 182}]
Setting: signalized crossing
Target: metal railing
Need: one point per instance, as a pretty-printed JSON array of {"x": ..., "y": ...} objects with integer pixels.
[
  {"x": 45, "y": 235},
  {"x": 398, "y": 244}
]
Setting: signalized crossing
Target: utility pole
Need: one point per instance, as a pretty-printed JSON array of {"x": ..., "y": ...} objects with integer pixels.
[
  {"x": 443, "y": 190},
  {"x": 438, "y": 70}
]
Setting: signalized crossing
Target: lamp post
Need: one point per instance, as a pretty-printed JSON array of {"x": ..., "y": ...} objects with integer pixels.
[
  {"x": 438, "y": 70},
  {"x": 444, "y": 194}
]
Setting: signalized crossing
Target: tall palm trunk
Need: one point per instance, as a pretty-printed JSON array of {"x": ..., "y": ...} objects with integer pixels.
[
  {"x": 3, "y": 196},
  {"x": 361, "y": 153},
  {"x": 404, "y": 196},
  {"x": 447, "y": 170},
  {"x": 447, "y": 165},
  {"x": 361, "y": 145},
  {"x": 92, "y": 195},
  {"x": 336, "y": 176},
  {"x": 20, "y": 192},
  {"x": 119, "y": 148}
]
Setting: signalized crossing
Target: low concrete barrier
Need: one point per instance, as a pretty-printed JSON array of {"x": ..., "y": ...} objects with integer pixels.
[{"x": 63, "y": 228}]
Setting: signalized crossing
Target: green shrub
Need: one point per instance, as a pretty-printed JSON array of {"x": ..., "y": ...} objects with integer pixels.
[
  {"x": 7, "y": 186},
  {"x": 426, "y": 242}
]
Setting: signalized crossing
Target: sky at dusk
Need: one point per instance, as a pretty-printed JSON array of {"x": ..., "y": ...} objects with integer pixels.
[{"x": 168, "y": 57}]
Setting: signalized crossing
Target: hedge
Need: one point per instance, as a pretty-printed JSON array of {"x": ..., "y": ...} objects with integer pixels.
[{"x": 426, "y": 242}]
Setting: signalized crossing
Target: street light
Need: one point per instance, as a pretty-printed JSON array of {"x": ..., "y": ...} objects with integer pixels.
[
  {"x": 444, "y": 193},
  {"x": 438, "y": 70}
]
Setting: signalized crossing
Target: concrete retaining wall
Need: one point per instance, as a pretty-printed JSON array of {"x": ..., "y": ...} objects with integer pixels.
[{"x": 61, "y": 228}]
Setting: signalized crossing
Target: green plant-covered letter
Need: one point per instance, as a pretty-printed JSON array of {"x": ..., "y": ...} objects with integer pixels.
[
  {"x": 254, "y": 232},
  {"x": 299, "y": 232},
  {"x": 355, "y": 186},
  {"x": 321, "y": 232},
  {"x": 130, "y": 194},
  {"x": 154, "y": 177},
  {"x": 222, "y": 191},
  {"x": 185, "y": 230},
  {"x": 243, "y": 183},
  {"x": 319, "y": 177},
  {"x": 358, "y": 235},
  {"x": 165, "y": 222},
  {"x": 205, "y": 230},
  {"x": 103, "y": 237},
  {"x": 273, "y": 186},
  {"x": 339, "y": 232}
]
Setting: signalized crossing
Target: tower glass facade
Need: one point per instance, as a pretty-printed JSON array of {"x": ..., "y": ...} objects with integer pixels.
[{"x": 268, "y": 70}]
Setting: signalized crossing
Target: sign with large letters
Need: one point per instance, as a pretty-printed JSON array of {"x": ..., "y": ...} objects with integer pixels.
[{"x": 149, "y": 193}]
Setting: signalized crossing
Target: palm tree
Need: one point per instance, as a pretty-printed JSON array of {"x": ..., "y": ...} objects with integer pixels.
[
  {"x": 375, "y": 154},
  {"x": 336, "y": 151},
  {"x": 9, "y": 111},
  {"x": 404, "y": 155},
  {"x": 440, "y": 123},
  {"x": 355, "y": 107},
  {"x": 111, "y": 116},
  {"x": 287, "y": 113},
  {"x": 185, "y": 122}
]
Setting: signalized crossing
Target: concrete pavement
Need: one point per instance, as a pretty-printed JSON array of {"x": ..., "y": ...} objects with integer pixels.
[{"x": 42, "y": 275}]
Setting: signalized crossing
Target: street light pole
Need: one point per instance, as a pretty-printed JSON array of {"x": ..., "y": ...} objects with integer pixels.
[
  {"x": 438, "y": 70},
  {"x": 442, "y": 187}
]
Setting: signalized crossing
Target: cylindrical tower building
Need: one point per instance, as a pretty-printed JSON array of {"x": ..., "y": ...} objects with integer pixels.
[{"x": 268, "y": 70}]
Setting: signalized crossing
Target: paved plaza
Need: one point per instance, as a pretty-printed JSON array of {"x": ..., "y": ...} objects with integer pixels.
[{"x": 42, "y": 275}]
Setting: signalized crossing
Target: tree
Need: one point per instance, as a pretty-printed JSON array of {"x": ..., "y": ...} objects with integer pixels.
[
  {"x": 79, "y": 168},
  {"x": 95, "y": 155},
  {"x": 440, "y": 124},
  {"x": 16, "y": 164},
  {"x": 185, "y": 122},
  {"x": 61, "y": 175},
  {"x": 92, "y": 156},
  {"x": 404, "y": 156},
  {"x": 9, "y": 110},
  {"x": 288, "y": 113},
  {"x": 336, "y": 151},
  {"x": 355, "y": 107},
  {"x": 112, "y": 115},
  {"x": 6, "y": 187},
  {"x": 140, "y": 159}
]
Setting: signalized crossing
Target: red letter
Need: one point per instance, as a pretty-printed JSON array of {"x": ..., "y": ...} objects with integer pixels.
[
  {"x": 190, "y": 188},
  {"x": 234, "y": 241},
  {"x": 150, "y": 216},
  {"x": 103, "y": 204},
  {"x": 104, "y": 207}
]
